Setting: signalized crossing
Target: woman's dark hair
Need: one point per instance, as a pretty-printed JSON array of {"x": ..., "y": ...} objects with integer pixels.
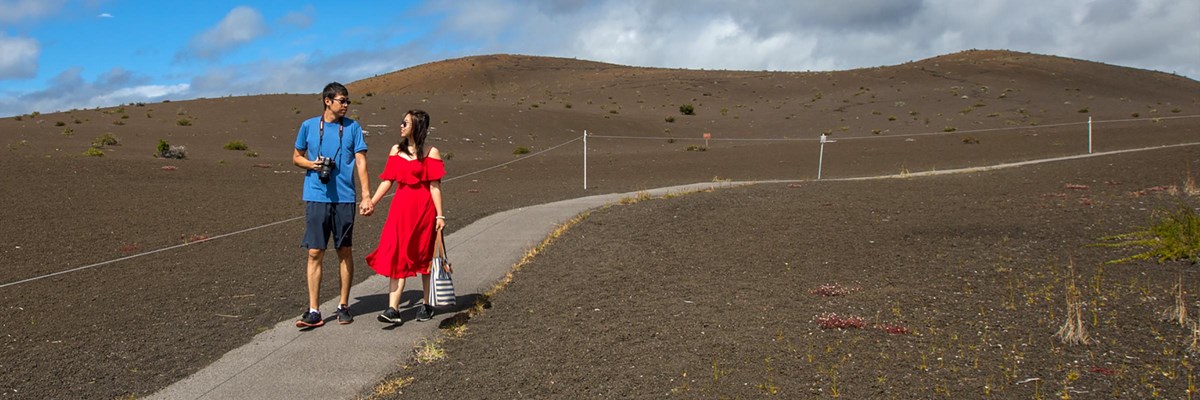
[
  {"x": 420, "y": 129},
  {"x": 332, "y": 90}
]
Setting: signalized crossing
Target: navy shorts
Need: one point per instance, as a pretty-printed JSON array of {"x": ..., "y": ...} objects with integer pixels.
[{"x": 325, "y": 219}]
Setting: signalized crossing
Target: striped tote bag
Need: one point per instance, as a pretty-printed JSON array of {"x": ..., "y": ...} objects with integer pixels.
[{"x": 441, "y": 287}]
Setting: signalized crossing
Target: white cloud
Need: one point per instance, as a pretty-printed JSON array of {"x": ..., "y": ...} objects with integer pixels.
[
  {"x": 242, "y": 25},
  {"x": 105, "y": 15},
  {"x": 25, "y": 10},
  {"x": 300, "y": 19},
  {"x": 819, "y": 34},
  {"x": 69, "y": 90},
  {"x": 18, "y": 57}
]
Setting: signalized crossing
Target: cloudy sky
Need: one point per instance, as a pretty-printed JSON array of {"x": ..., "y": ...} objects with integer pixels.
[{"x": 63, "y": 54}]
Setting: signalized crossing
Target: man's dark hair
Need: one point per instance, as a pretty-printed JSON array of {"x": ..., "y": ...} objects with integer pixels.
[{"x": 332, "y": 90}]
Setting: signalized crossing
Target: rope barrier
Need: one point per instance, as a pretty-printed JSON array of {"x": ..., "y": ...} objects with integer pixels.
[
  {"x": 53, "y": 274},
  {"x": 898, "y": 135}
]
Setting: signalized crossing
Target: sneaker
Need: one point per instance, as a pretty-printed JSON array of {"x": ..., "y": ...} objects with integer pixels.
[
  {"x": 343, "y": 314},
  {"x": 390, "y": 316},
  {"x": 310, "y": 319},
  {"x": 426, "y": 313}
]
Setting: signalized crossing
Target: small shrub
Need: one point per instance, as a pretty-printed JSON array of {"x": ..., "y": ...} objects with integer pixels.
[
  {"x": 77, "y": 121},
  {"x": 1176, "y": 110},
  {"x": 966, "y": 110},
  {"x": 670, "y": 140},
  {"x": 568, "y": 105},
  {"x": 93, "y": 152},
  {"x": 612, "y": 111},
  {"x": 520, "y": 150},
  {"x": 696, "y": 148},
  {"x": 118, "y": 122},
  {"x": 687, "y": 109},
  {"x": 1135, "y": 115},
  {"x": 949, "y": 129},
  {"x": 1083, "y": 110},
  {"x": 236, "y": 145},
  {"x": 18, "y": 118},
  {"x": 68, "y": 132},
  {"x": 252, "y": 154},
  {"x": 970, "y": 140},
  {"x": 891, "y": 118},
  {"x": 107, "y": 139},
  {"x": 670, "y": 119},
  {"x": 184, "y": 122},
  {"x": 166, "y": 150},
  {"x": 59, "y": 123},
  {"x": 1175, "y": 236}
]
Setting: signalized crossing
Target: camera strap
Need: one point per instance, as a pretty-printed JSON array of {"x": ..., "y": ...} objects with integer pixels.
[{"x": 321, "y": 137}]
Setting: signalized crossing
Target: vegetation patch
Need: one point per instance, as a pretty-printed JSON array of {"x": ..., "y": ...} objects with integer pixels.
[{"x": 1174, "y": 236}]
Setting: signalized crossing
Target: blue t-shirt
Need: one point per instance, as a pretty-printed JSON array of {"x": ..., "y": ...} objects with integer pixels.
[{"x": 340, "y": 187}]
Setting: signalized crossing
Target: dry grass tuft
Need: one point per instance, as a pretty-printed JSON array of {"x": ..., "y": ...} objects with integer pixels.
[
  {"x": 429, "y": 351},
  {"x": 1178, "y": 312},
  {"x": 391, "y": 387},
  {"x": 1073, "y": 330},
  {"x": 1193, "y": 343}
]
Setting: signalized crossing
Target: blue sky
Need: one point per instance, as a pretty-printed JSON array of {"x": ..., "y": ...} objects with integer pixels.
[{"x": 63, "y": 54}]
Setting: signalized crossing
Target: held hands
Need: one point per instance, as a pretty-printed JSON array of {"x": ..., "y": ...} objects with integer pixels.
[{"x": 366, "y": 208}]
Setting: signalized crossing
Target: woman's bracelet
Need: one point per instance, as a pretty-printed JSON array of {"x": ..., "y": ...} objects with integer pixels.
[{"x": 441, "y": 217}]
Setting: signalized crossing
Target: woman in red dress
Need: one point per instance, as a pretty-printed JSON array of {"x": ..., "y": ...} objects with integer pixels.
[{"x": 406, "y": 244}]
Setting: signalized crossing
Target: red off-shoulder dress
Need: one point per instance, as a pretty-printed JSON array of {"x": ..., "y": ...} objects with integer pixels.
[{"x": 406, "y": 244}]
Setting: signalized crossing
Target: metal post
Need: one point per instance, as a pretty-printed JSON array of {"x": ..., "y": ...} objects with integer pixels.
[
  {"x": 821, "y": 157},
  {"x": 585, "y": 159},
  {"x": 1089, "y": 135}
]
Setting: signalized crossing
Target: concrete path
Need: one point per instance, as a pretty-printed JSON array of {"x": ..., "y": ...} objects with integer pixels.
[{"x": 341, "y": 361}]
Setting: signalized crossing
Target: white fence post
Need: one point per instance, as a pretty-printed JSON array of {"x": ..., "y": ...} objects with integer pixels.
[
  {"x": 585, "y": 159},
  {"x": 821, "y": 157},
  {"x": 1089, "y": 135}
]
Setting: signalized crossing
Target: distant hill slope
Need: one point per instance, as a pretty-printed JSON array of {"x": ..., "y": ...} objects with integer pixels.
[{"x": 976, "y": 88}]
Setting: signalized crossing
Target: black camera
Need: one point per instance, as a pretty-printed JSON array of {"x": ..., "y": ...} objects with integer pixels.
[{"x": 324, "y": 167}]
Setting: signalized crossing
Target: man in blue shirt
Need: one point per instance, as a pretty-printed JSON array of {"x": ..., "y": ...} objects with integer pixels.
[{"x": 331, "y": 149}]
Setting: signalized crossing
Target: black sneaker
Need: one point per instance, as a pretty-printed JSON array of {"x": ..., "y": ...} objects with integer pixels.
[
  {"x": 343, "y": 314},
  {"x": 426, "y": 313},
  {"x": 390, "y": 316},
  {"x": 310, "y": 319}
]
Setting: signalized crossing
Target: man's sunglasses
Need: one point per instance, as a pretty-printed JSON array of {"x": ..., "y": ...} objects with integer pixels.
[{"x": 345, "y": 101}]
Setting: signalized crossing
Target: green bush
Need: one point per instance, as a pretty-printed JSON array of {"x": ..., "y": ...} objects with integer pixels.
[
  {"x": 670, "y": 119},
  {"x": 184, "y": 122},
  {"x": 166, "y": 150},
  {"x": 107, "y": 139},
  {"x": 236, "y": 145},
  {"x": 93, "y": 152},
  {"x": 521, "y": 150},
  {"x": 687, "y": 109},
  {"x": 1175, "y": 236}
]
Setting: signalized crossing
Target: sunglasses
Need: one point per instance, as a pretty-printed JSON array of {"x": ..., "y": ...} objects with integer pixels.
[
  {"x": 403, "y": 124},
  {"x": 345, "y": 101}
]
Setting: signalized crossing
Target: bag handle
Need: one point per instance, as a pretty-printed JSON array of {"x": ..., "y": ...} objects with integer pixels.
[{"x": 439, "y": 248}]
